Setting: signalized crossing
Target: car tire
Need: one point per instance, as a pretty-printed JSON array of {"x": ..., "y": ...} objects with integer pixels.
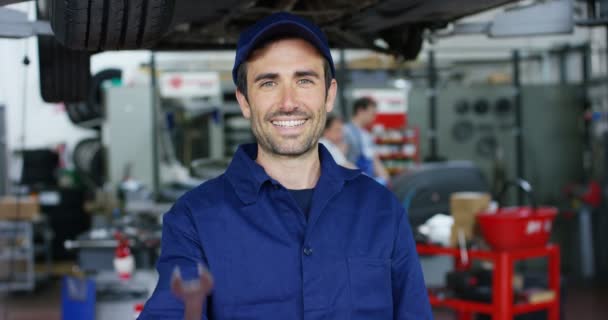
[
  {"x": 90, "y": 114},
  {"x": 64, "y": 73},
  {"x": 95, "y": 99},
  {"x": 88, "y": 157},
  {"x": 110, "y": 24},
  {"x": 77, "y": 112}
]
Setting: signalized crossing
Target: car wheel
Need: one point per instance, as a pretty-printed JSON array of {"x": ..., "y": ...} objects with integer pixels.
[
  {"x": 77, "y": 112},
  {"x": 110, "y": 24},
  {"x": 88, "y": 156},
  {"x": 90, "y": 114},
  {"x": 95, "y": 98}
]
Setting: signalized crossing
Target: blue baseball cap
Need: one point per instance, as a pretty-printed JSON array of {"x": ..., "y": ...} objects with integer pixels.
[{"x": 280, "y": 24}]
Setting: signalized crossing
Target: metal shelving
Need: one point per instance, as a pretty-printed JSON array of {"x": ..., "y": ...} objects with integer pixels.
[
  {"x": 18, "y": 252},
  {"x": 16, "y": 256}
]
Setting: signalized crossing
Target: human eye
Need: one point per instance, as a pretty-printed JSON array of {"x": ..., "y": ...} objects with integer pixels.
[
  {"x": 305, "y": 82},
  {"x": 267, "y": 84}
]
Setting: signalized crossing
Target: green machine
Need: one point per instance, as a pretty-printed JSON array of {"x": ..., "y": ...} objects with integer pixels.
[{"x": 478, "y": 123}]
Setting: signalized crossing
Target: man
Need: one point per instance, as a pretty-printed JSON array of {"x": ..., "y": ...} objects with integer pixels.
[
  {"x": 333, "y": 140},
  {"x": 361, "y": 144},
  {"x": 287, "y": 233}
]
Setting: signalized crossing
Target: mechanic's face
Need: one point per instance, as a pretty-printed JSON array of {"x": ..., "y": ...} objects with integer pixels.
[
  {"x": 335, "y": 132},
  {"x": 286, "y": 101}
]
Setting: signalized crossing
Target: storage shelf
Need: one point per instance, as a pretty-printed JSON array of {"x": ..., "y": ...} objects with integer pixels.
[
  {"x": 18, "y": 281},
  {"x": 19, "y": 255},
  {"x": 16, "y": 286},
  {"x": 397, "y": 148},
  {"x": 394, "y": 171},
  {"x": 404, "y": 140},
  {"x": 18, "y": 235},
  {"x": 397, "y": 156}
]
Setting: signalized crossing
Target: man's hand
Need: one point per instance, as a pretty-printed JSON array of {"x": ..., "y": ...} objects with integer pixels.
[{"x": 192, "y": 292}]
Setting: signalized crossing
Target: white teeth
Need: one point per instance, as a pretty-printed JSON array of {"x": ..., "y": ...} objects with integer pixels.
[{"x": 289, "y": 123}]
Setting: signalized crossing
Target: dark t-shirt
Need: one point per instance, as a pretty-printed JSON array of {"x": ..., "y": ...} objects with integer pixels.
[{"x": 303, "y": 198}]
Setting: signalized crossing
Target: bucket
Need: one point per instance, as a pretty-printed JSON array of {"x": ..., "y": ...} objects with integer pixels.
[{"x": 520, "y": 227}]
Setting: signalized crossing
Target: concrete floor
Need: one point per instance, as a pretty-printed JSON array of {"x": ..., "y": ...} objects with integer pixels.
[{"x": 44, "y": 303}]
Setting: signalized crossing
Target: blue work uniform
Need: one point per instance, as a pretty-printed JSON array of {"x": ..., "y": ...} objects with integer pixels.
[{"x": 353, "y": 258}]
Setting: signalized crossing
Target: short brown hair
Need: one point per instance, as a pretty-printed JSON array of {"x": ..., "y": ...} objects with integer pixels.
[
  {"x": 331, "y": 118},
  {"x": 363, "y": 104}
]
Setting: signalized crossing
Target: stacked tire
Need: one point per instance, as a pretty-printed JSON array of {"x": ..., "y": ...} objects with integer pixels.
[
  {"x": 91, "y": 112},
  {"x": 89, "y": 161}
]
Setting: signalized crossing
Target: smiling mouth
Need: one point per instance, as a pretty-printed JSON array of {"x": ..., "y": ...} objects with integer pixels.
[{"x": 288, "y": 123}]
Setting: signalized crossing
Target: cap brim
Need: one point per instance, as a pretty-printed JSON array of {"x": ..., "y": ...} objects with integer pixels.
[{"x": 285, "y": 29}]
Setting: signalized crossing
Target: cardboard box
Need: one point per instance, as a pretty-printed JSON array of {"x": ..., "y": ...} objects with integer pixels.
[
  {"x": 468, "y": 234},
  {"x": 464, "y": 207},
  {"x": 24, "y": 208}
]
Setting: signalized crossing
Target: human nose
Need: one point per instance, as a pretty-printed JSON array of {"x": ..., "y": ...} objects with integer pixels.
[{"x": 288, "y": 98}]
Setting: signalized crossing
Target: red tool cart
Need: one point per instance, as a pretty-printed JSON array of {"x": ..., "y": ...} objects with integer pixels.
[
  {"x": 502, "y": 307},
  {"x": 513, "y": 234}
]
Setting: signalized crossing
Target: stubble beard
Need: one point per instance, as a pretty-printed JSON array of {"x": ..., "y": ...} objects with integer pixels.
[{"x": 274, "y": 146}]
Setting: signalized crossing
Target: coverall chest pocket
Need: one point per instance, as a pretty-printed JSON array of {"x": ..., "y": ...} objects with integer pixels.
[{"x": 371, "y": 288}]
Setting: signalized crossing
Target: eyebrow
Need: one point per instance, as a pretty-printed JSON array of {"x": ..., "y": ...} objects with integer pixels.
[
  {"x": 266, "y": 76},
  {"x": 307, "y": 73},
  {"x": 298, "y": 74}
]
